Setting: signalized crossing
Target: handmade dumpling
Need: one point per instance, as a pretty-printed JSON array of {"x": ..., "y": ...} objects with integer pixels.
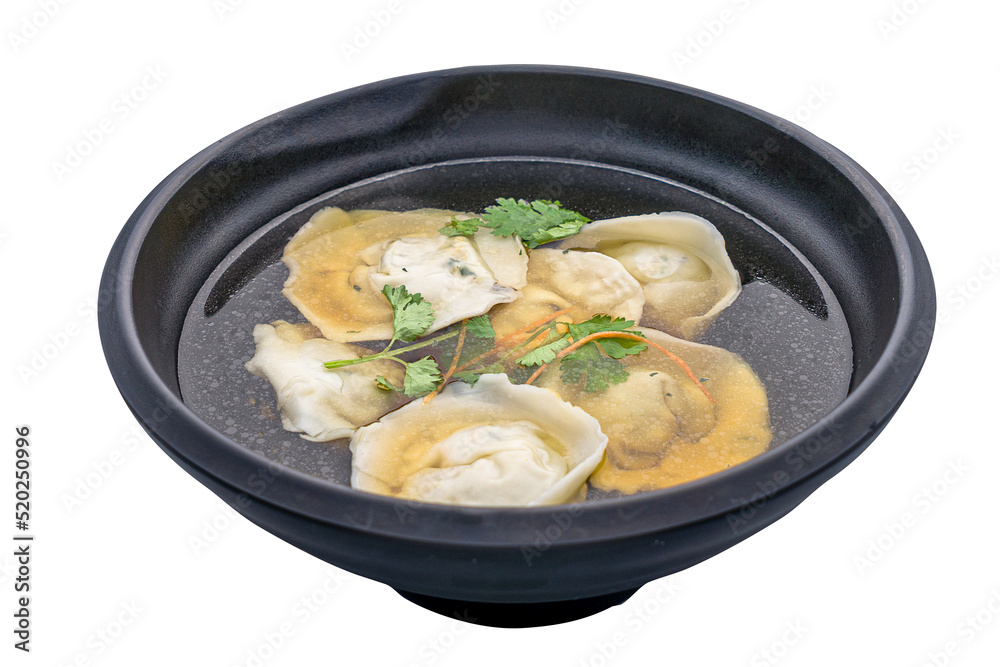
[
  {"x": 318, "y": 403},
  {"x": 582, "y": 284},
  {"x": 494, "y": 443},
  {"x": 679, "y": 258},
  {"x": 339, "y": 261},
  {"x": 662, "y": 429}
]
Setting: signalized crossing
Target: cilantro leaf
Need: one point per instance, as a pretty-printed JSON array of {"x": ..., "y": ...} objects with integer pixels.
[
  {"x": 595, "y": 363},
  {"x": 617, "y": 348},
  {"x": 412, "y": 316},
  {"x": 385, "y": 385},
  {"x": 600, "y": 324},
  {"x": 545, "y": 353},
  {"x": 472, "y": 377},
  {"x": 480, "y": 327},
  {"x": 535, "y": 223},
  {"x": 597, "y": 371},
  {"x": 461, "y": 227},
  {"x": 422, "y": 377}
]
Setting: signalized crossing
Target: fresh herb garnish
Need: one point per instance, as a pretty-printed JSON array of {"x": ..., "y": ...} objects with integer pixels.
[
  {"x": 588, "y": 351},
  {"x": 412, "y": 316},
  {"x": 422, "y": 377},
  {"x": 535, "y": 223},
  {"x": 461, "y": 227},
  {"x": 480, "y": 327}
]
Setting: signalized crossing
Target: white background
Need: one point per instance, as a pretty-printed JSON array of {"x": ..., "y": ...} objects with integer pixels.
[{"x": 838, "y": 581}]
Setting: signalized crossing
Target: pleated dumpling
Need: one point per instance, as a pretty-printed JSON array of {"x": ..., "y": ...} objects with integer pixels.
[
  {"x": 494, "y": 443},
  {"x": 339, "y": 261},
  {"x": 662, "y": 429},
  {"x": 318, "y": 403},
  {"x": 583, "y": 284},
  {"x": 679, "y": 259}
]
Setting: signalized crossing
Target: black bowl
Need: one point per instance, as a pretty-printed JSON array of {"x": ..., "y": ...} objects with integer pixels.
[{"x": 460, "y": 138}]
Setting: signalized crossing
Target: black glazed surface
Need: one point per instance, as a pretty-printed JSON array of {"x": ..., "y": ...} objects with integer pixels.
[{"x": 826, "y": 206}]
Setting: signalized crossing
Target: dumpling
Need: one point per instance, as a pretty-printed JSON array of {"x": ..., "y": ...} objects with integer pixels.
[
  {"x": 339, "y": 261},
  {"x": 582, "y": 283},
  {"x": 447, "y": 271},
  {"x": 679, "y": 258},
  {"x": 662, "y": 429},
  {"x": 494, "y": 443},
  {"x": 318, "y": 403}
]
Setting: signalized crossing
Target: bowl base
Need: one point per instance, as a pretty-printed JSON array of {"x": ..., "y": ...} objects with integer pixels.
[{"x": 518, "y": 615}]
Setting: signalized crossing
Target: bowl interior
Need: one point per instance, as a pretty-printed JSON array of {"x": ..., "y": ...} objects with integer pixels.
[
  {"x": 800, "y": 216},
  {"x": 787, "y": 324}
]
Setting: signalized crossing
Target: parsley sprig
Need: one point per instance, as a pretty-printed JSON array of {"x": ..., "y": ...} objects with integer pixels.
[
  {"x": 535, "y": 223},
  {"x": 412, "y": 316},
  {"x": 589, "y": 351}
]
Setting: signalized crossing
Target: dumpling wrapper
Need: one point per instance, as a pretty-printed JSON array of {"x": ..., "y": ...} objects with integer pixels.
[
  {"x": 679, "y": 258},
  {"x": 339, "y": 261},
  {"x": 491, "y": 444},
  {"x": 585, "y": 283},
  {"x": 447, "y": 271},
  {"x": 662, "y": 430},
  {"x": 318, "y": 403}
]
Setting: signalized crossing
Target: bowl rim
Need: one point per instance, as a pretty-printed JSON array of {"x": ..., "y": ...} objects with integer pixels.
[{"x": 719, "y": 494}]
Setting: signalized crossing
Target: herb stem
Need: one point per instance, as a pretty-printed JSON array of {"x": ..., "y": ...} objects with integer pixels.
[
  {"x": 454, "y": 365},
  {"x": 515, "y": 339},
  {"x": 390, "y": 354},
  {"x": 621, "y": 334}
]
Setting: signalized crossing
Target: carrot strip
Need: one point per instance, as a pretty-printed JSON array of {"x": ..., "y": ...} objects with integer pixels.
[
  {"x": 520, "y": 332},
  {"x": 621, "y": 334},
  {"x": 454, "y": 364},
  {"x": 535, "y": 325}
]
